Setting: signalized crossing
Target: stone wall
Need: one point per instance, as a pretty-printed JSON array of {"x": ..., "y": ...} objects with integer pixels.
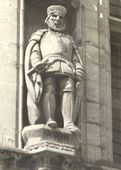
[
  {"x": 9, "y": 67},
  {"x": 92, "y": 30},
  {"x": 93, "y": 34}
]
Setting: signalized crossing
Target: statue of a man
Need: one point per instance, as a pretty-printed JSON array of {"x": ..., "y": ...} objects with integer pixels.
[{"x": 52, "y": 62}]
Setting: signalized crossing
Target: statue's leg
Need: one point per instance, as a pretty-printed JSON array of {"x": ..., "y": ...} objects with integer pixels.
[
  {"x": 49, "y": 101},
  {"x": 67, "y": 102}
]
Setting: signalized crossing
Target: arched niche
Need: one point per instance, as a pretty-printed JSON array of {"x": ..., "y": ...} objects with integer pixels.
[{"x": 34, "y": 17}]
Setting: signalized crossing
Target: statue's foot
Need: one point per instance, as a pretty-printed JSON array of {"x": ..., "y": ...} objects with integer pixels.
[
  {"x": 52, "y": 124},
  {"x": 75, "y": 130},
  {"x": 72, "y": 127}
]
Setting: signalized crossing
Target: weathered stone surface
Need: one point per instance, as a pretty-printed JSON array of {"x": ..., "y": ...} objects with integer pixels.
[
  {"x": 93, "y": 134},
  {"x": 93, "y": 115},
  {"x": 92, "y": 18},
  {"x": 92, "y": 70},
  {"x": 105, "y": 85},
  {"x": 8, "y": 71},
  {"x": 97, "y": 93},
  {"x": 92, "y": 35},
  {"x": 16, "y": 159},
  {"x": 58, "y": 151},
  {"x": 92, "y": 91},
  {"x": 92, "y": 5},
  {"x": 50, "y": 161},
  {"x": 92, "y": 54},
  {"x": 41, "y": 137},
  {"x": 94, "y": 153}
]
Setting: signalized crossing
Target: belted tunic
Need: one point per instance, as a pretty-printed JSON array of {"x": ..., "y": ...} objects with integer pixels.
[{"x": 58, "y": 49}]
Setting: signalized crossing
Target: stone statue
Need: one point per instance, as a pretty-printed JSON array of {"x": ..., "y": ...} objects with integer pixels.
[{"x": 52, "y": 61}]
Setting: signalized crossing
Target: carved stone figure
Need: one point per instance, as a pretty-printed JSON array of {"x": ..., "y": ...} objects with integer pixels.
[{"x": 53, "y": 66}]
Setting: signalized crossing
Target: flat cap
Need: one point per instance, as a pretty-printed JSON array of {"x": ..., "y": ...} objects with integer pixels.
[{"x": 56, "y": 8}]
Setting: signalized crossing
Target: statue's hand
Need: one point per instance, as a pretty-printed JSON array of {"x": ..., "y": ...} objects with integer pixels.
[
  {"x": 79, "y": 74},
  {"x": 79, "y": 88},
  {"x": 78, "y": 85},
  {"x": 79, "y": 78},
  {"x": 39, "y": 66}
]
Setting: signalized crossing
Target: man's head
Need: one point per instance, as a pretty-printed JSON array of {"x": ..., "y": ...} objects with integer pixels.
[{"x": 56, "y": 17}]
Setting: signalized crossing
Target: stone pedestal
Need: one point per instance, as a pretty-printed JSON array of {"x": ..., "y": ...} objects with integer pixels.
[
  {"x": 52, "y": 148},
  {"x": 48, "y": 160}
]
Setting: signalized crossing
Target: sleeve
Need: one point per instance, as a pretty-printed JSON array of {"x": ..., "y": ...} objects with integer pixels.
[
  {"x": 35, "y": 55},
  {"x": 77, "y": 62}
]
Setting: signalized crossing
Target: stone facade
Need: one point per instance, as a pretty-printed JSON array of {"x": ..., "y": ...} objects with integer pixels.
[
  {"x": 9, "y": 73},
  {"x": 92, "y": 34}
]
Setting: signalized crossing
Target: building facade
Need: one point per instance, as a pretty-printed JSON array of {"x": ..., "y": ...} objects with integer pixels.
[{"x": 96, "y": 28}]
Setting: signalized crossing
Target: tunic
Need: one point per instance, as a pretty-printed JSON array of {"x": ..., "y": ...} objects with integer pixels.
[{"x": 58, "y": 49}]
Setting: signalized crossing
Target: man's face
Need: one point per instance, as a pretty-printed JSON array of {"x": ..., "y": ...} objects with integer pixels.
[{"x": 56, "y": 22}]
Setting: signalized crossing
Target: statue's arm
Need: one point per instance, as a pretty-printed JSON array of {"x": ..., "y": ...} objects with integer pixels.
[
  {"x": 35, "y": 56},
  {"x": 77, "y": 62}
]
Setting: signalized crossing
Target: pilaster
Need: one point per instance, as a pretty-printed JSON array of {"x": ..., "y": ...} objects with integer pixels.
[
  {"x": 105, "y": 82},
  {"x": 8, "y": 71},
  {"x": 92, "y": 35}
]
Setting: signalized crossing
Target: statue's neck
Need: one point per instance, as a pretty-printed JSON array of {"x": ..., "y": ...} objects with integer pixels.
[{"x": 53, "y": 30}]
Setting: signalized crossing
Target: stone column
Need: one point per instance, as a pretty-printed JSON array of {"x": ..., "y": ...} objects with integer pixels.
[
  {"x": 79, "y": 36},
  {"x": 92, "y": 82},
  {"x": 9, "y": 67},
  {"x": 87, "y": 35},
  {"x": 92, "y": 35},
  {"x": 105, "y": 81},
  {"x": 20, "y": 73}
]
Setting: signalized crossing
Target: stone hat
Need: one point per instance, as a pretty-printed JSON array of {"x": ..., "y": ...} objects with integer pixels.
[{"x": 56, "y": 8}]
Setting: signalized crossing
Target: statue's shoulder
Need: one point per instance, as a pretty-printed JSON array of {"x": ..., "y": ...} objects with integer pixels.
[
  {"x": 68, "y": 36},
  {"x": 36, "y": 36},
  {"x": 71, "y": 38}
]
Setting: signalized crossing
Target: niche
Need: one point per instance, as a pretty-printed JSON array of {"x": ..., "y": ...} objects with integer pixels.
[{"x": 35, "y": 14}]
